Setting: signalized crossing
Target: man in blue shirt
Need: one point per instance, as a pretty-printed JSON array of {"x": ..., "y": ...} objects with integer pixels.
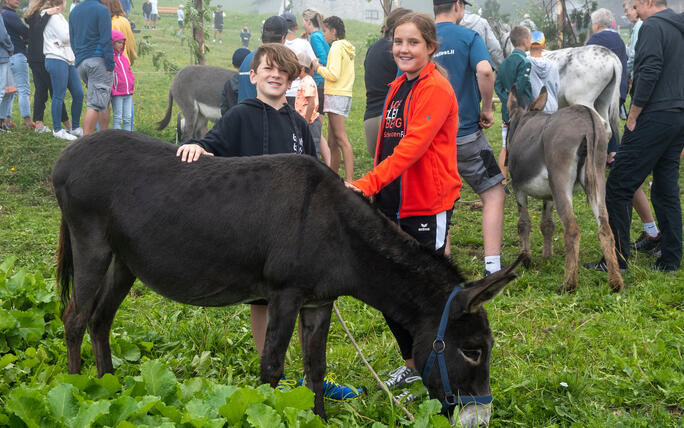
[
  {"x": 274, "y": 31},
  {"x": 90, "y": 31},
  {"x": 464, "y": 54}
]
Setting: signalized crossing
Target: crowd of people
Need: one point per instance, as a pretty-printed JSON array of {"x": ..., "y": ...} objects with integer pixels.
[
  {"x": 89, "y": 49},
  {"x": 429, "y": 91}
]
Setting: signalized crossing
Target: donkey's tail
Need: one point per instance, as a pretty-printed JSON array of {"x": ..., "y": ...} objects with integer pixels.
[
  {"x": 167, "y": 118},
  {"x": 65, "y": 265},
  {"x": 596, "y": 159},
  {"x": 614, "y": 105}
]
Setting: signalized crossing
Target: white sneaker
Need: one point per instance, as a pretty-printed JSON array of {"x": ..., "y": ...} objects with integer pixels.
[
  {"x": 43, "y": 129},
  {"x": 64, "y": 135},
  {"x": 78, "y": 132}
]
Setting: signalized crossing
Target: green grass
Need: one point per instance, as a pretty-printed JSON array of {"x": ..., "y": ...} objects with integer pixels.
[{"x": 619, "y": 354}]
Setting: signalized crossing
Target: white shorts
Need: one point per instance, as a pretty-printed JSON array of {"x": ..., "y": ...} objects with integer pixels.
[{"x": 338, "y": 104}]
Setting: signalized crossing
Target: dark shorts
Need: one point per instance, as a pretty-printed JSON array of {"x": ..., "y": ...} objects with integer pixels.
[
  {"x": 154, "y": 17},
  {"x": 476, "y": 163},
  {"x": 219, "y": 28},
  {"x": 315, "y": 128},
  {"x": 430, "y": 230},
  {"x": 180, "y": 24},
  {"x": 321, "y": 97}
]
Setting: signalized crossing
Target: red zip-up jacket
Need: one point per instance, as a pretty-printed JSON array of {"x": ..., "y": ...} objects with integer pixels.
[{"x": 425, "y": 158}]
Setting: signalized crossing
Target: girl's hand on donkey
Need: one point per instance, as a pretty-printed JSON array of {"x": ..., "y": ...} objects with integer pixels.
[
  {"x": 351, "y": 186},
  {"x": 191, "y": 152}
]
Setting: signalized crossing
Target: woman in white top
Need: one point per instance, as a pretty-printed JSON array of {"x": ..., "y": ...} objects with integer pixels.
[{"x": 59, "y": 63}]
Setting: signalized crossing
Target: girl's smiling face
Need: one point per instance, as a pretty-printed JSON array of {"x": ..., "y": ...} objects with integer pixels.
[{"x": 411, "y": 51}]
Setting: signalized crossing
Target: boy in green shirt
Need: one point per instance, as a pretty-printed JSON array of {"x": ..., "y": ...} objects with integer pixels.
[{"x": 514, "y": 70}]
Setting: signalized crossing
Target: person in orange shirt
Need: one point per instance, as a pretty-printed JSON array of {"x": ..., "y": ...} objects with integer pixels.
[{"x": 415, "y": 180}]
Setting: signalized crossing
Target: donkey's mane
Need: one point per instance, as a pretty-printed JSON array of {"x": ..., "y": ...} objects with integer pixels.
[{"x": 395, "y": 244}]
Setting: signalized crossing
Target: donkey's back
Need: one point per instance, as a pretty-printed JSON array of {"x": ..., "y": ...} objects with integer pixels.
[{"x": 193, "y": 232}]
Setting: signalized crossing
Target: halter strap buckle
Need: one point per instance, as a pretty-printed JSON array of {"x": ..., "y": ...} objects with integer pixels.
[{"x": 437, "y": 356}]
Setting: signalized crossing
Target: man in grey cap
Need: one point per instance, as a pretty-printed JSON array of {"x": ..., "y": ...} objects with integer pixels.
[{"x": 273, "y": 31}]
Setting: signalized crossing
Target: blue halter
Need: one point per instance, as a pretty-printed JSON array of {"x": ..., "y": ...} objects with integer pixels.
[{"x": 438, "y": 347}]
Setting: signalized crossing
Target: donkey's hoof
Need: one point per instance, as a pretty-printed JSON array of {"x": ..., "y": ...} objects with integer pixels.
[
  {"x": 616, "y": 286},
  {"x": 567, "y": 288},
  {"x": 526, "y": 259}
]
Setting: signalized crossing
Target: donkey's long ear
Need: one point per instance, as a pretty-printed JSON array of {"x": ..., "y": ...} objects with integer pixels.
[
  {"x": 484, "y": 290},
  {"x": 512, "y": 100},
  {"x": 540, "y": 102}
]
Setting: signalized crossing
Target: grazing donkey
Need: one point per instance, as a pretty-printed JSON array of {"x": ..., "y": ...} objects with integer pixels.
[
  {"x": 197, "y": 89},
  {"x": 223, "y": 231},
  {"x": 549, "y": 157}
]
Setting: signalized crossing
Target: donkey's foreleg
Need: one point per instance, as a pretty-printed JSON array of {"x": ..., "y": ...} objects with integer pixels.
[
  {"x": 524, "y": 226},
  {"x": 118, "y": 282},
  {"x": 547, "y": 227},
  {"x": 571, "y": 235},
  {"x": 315, "y": 323},
  {"x": 282, "y": 313}
]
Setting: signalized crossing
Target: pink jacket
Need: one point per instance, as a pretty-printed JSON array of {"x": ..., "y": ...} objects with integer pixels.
[{"x": 123, "y": 76}]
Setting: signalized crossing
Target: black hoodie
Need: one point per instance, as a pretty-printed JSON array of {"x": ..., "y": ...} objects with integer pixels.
[
  {"x": 658, "y": 77},
  {"x": 254, "y": 128}
]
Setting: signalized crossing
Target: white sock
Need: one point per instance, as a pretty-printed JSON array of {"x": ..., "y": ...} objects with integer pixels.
[
  {"x": 492, "y": 263},
  {"x": 504, "y": 133},
  {"x": 651, "y": 228}
]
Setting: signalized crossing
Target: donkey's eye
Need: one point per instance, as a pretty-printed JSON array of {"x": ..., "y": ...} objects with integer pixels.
[{"x": 472, "y": 355}]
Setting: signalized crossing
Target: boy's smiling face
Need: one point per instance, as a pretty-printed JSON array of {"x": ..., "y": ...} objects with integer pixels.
[{"x": 271, "y": 82}]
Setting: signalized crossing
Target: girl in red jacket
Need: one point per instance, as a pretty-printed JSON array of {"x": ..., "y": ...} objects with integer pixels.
[
  {"x": 122, "y": 89},
  {"x": 415, "y": 181}
]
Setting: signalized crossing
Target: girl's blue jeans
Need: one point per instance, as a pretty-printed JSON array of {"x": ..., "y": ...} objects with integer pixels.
[
  {"x": 20, "y": 73},
  {"x": 63, "y": 76},
  {"x": 122, "y": 107}
]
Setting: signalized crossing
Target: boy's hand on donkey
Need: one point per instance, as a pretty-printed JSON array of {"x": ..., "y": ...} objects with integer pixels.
[{"x": 191, "y": 152}]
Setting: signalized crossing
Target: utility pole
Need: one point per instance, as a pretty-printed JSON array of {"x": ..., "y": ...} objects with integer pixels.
[
  {"x": 198, "y": 32},
  {"x": 561, "y": 21}
]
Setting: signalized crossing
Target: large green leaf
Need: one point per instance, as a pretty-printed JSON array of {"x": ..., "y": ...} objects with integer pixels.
[
  {"x": 302, "y": 418},
  {"x": 7, "y": 320},
  {"x": 301, "y": 398},
  {"x": 119, "y": 411},
  {"x": 28, "y": 405},
  {"x": 159, "y": 380},
  {"x": 110, "y": 383},
  {"x": 62, "y": 402},
  {"x": 89, "y": 411},
  {"x": 237, "y": 403},
  {"x": 31, "y": 325},
  {"x": 260, "y": 415},
  {"x": 7, "y": 359},
  {"x": 219, "y": 394},
  {"x": 170, "y": 412}
]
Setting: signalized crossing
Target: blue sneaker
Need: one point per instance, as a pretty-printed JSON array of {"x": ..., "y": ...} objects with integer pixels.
[
  {"x": 285, "y": 383},
  {"x": 333, "y": 391}
]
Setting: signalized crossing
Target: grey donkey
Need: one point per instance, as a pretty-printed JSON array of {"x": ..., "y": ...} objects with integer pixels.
[
  {"x": 550, "y": 156},
  {"x": 197, "y": 90}
]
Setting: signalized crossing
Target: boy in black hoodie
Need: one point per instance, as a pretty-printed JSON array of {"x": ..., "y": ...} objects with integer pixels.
[
  {"x": 258, "y": 126},
  {"x": 262, "y": 125}
]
